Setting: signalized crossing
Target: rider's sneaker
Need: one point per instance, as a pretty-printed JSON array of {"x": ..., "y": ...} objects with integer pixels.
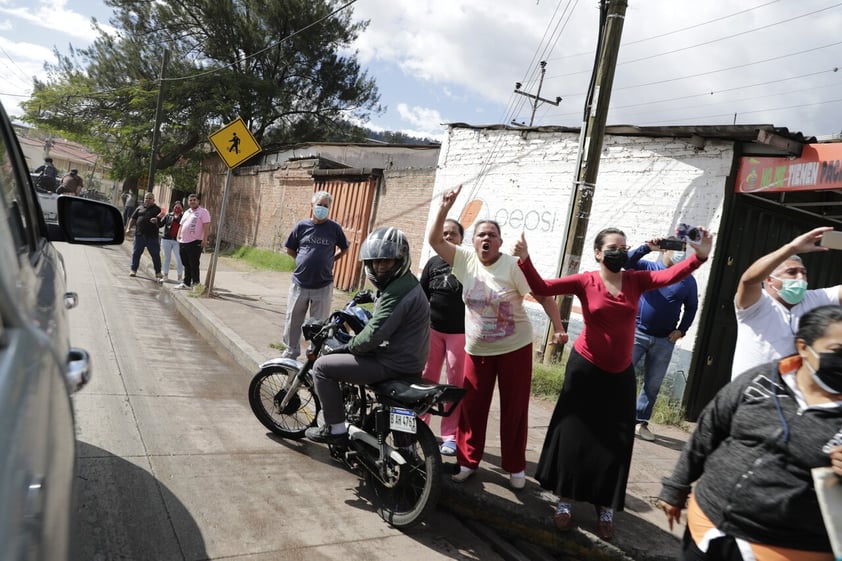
[
  {"x": 322, "y": 434},
  {"x": 448, "y": 448}
]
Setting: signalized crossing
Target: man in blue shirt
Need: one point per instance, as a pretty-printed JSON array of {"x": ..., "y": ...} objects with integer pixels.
[
  {"x": 658, "y": 327},
  {"x": 313, "y": 243}
]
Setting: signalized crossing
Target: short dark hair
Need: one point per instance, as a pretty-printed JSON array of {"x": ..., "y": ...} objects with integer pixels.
[
  {"x": 599, "y": 240},
  {"x": 458, "y": 226},
  {"x": 487, "y": 221},
  {"x": 813, "y": 325}
]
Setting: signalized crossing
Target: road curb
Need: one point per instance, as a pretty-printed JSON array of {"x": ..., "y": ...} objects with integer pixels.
[{"x": 215, "y": 331}]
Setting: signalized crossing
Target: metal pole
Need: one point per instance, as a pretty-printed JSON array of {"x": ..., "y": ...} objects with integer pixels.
[
  {"x": 538, "y": 95},
  {"x": 215, "y": 257},
  {"x": 159, "y": 110},
  {"x": 591, "y": 148}
]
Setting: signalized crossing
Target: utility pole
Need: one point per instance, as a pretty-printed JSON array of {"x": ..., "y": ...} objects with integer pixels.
[
  {"x": 590, "y": 149},
  {"x": 537, "y": 97},
  {"x": 156, "y": 132}
]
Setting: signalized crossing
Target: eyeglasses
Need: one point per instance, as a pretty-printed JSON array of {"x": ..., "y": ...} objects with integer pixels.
[{"x": 613, "y": 247}]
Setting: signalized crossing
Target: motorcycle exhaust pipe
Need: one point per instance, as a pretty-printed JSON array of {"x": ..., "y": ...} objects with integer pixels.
[{"x": 356, "y": 433}]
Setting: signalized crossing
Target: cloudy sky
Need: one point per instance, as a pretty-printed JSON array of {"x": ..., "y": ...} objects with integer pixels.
[{"x": 441, "y": 61}]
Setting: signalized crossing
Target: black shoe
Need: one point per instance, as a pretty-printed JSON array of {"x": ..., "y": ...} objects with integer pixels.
[{"x": 322, "y": 434}]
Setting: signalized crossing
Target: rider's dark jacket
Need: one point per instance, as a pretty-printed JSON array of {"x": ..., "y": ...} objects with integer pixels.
[{"x": 398, "y": 334}]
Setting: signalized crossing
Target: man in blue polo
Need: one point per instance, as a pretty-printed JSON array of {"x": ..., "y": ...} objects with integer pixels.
[
  {"x": 313, "y": 243},
  {"x": 658, "y": 327}
]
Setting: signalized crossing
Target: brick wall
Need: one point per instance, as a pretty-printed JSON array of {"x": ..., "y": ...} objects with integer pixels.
[
  {"x": 404, "y": 202},
  {"x": 265, "y": 202}
]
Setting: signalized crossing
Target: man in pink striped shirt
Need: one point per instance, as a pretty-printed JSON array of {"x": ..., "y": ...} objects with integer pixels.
[{"x": 192, "y": 240}]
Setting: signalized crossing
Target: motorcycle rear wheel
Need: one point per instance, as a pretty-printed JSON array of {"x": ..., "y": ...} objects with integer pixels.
[
  {"x": 417, "y": 490},
  {"x": 265, "y": 395}
]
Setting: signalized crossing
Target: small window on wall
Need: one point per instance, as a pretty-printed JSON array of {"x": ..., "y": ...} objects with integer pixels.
[{"x": 14, "y": 198}]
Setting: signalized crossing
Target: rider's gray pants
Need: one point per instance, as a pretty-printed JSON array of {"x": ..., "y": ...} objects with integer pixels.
[{"x": 329, "y": 370}]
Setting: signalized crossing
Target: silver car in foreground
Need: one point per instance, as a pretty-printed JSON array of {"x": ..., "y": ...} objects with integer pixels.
[{"x": 38, "y": 367}]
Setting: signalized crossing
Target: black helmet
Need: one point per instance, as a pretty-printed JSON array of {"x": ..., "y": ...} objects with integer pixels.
[{"x": 385, "y": 243}]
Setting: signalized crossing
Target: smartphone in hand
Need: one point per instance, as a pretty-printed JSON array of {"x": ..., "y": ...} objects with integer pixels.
[
  {"x": 675, "y": 245},
  {"x": 832, "y": 239}
]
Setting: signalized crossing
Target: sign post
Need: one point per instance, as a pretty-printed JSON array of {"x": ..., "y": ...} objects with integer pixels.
[{"x": 235, "y": 144}]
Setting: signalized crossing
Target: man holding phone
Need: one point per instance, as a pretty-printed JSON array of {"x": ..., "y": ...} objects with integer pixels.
[
  {"x": 658, "y": 326},
  {"x": 771, "y": 298}
]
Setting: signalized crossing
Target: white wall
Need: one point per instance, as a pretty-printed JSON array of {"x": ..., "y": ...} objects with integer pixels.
[{"x": 523, "y": 180}]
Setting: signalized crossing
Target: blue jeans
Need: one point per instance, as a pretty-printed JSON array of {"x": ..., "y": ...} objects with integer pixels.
[
  {"x": 171, "y": 247},
  {"x": 151, "y": 244},
  {"x": 657, "y": 352}
]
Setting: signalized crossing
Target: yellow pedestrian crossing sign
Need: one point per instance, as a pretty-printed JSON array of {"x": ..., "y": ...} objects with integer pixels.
[{"x": 234, "y": 143}]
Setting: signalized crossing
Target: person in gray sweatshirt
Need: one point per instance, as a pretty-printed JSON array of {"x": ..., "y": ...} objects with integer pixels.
[{"x": 752, "y": 451}]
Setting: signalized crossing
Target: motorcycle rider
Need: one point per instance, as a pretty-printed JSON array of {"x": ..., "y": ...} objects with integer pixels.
[{"x": 394, "y": 343}]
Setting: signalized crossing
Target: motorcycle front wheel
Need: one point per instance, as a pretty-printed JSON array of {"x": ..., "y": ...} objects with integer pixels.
[
  {"x": 415, "y": 486},
  {"x": 266, "y": 393}
]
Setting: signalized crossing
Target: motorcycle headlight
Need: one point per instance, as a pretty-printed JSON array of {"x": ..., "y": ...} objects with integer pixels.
[{"x": 310, "y": 329}]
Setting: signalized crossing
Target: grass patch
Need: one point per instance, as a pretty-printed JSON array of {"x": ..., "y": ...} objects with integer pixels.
[
  {"x": 263, "y": 259},
  {"x": 547, "y": 380}
]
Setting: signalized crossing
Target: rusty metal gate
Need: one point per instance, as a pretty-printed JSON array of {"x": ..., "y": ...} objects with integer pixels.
[{"x": 353, "y": 192}]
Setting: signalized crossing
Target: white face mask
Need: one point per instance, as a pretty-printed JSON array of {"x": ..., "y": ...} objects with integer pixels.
[
  {"x": 678, "y": 257},
  {"x": 320, "y": 212}
]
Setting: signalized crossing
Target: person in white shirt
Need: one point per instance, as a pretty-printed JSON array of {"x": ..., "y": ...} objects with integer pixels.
[{"x": 771, "y": 298}]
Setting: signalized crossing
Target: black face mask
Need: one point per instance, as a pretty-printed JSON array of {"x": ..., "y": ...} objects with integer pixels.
[
  {"x": 829, "y": 373},
  {"x": 615, "y": 259}
]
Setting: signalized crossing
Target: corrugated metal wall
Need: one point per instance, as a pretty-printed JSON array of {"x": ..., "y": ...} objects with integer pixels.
[
  {"x": 754, "y": 229},
  {"x": 353, "y": 200}
]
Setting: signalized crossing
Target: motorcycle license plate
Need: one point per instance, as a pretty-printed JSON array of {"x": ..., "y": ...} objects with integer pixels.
[{"x": 402, "y": 420}]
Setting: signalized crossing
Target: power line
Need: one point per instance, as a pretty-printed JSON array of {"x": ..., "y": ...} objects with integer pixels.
[
  {"x": 719, "y": 91},
  {"x": 725, "y": 38},
  {"x": 770, "y": 109},
  {"x": 676, "y": 31},
  {"x": 270, "y": 46}
]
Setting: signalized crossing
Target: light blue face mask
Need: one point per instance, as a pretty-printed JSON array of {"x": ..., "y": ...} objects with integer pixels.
[
  {"x": 792, "y": 290},
  {"x": 320, "y": 212},
  {"x": 678, "y": 257}
]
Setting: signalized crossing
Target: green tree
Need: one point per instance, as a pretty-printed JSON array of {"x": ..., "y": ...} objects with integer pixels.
[{"x": 284, "y": 66}]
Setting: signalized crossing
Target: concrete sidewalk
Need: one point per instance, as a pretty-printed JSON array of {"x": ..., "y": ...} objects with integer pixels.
[{"x": 246, "y": 315}]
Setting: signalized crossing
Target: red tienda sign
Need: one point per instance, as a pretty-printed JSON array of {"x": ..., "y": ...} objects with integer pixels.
[{"x": 819, "y": 167}]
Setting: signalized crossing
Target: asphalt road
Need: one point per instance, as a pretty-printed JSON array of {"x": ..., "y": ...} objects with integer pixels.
[{"x": 172, "y": 465}]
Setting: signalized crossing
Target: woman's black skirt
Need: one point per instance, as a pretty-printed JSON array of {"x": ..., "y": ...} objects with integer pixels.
[{"x": 588, "y": 448}]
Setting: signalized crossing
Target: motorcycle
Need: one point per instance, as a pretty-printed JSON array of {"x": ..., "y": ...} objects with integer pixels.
[{"x": 387, "y": 444}]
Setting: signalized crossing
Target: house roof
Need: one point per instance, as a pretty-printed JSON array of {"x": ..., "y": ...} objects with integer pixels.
[{"x": 735, "y": 133}]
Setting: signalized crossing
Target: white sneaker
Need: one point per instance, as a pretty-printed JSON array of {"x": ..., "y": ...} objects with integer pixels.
[
  {"x": 463, "y": 475},
  {"x": 642, "y": 430},
  {"x": 517, "y": 481},
  {"x": 181, "y": 286}
]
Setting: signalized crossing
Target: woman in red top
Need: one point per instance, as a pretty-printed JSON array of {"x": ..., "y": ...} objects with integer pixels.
[{"x": 587, "y": 450}]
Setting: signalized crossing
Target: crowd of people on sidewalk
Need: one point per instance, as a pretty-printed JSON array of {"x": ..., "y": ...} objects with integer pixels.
[
  {"x": 766, "y": 429},
  {"x": 780, "y": 417},
  {"x": 185, "y": 235}
]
